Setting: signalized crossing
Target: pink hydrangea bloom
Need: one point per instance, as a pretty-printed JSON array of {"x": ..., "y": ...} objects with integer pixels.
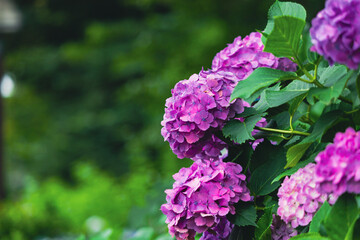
[
  {"x": 281, "y": 230},
  {"x": 335, "y": 32},
  {"x": 202, "y": 196},
  {"x": 197, "y": 108},
  {"x": 243, "y": 56},
  {"x": 338, "y": 166},
  {"x": 299, "y": 198},
  {"x": 221, "y": 231}
]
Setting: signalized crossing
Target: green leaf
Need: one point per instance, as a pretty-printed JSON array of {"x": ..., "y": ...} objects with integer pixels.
[
  {"x": 295, "y": 103},
  {"x": 319, "y": 216},
  {"x": 283, "y": 9},
  {"x": 277, "y": 98},
  {"x": 250, "y": 111},
  {"x": 263, "y": 232},
  {"x": 358, "y": 85},
  {"x": 332, "y": 74},
  {"x": 325, "y": 122},
  {"x": 305, "y": 55},
  {"x": 294, "y": 154},
  {"x": 309, "y": 236},
  {"x": 341, "y": 217},
  {"x": 274, "y": 161},
  {"x": 283, "y": 41},
  {"x": 240, "y": 132},
  {"x": 245, "y": 214},
  {"x": 259, "y": 79},
  {"x": 329, "y": 94},
  {"x": 297, "y": 167}
]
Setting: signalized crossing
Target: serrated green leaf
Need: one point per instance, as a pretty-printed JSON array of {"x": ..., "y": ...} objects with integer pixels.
[
  {"x": 319, "y": 216},
  {"x": 305, "y": 55},
  {"x": 309, "y": 236},
  {"x": 273, "y": 164},
  {"x": 245, "y": 215},
  {"x": 282, "y": 9},
  {"x": 341, "y": 217},
  {"x": 240, "y": 132},
  {"x": 283, "y": 41},
  {"x": 294, "y": 154},
  {"x": 263, "y": 232},
  {"x": 259, "y": 79},
  {"x": 358, "y": 85},
  {"x": 277, "y": 98}
]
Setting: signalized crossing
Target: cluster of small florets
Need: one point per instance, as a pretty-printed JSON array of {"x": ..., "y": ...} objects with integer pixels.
[
  {"x": 197, "y": 108},
  {"x": 243, "y": 56},
  {"x": 221, "y": 231},
  {"x": 299, "y": 198},
  {"x": 202, "y": 196},
  {"x": 281, "y": 230},
  {"x": 335, "y": 32},
  {"x": 338, "y": 166}
]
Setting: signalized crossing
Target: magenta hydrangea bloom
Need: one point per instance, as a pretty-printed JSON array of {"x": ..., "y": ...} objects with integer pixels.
[
  {"x": 221, "y": 231},
  {"x": 335, "y": 32},
  {"x": 243, "y": 56},
  {"x": 202, "y": 196},
  {"x": 299, "y": 198},
  {"x": 197, "y": 108},
  {"x": 281, "y": 230},
  {"x": 338, "y": 166}
]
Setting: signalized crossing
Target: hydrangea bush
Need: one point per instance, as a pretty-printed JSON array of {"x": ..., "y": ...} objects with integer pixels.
[{"x": 273, "y": 129}]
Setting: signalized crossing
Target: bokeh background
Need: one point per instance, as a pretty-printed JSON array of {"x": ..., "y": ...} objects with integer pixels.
[{"x": 82, "y": 155}]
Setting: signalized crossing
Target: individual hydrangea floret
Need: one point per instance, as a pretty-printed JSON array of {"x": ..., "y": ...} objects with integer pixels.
[
  {"x": 221, "y": 231},
  {"x": 197, "y": 109},
  {"x": 243, "y": 56},
  {"x": 281, "y": 230},
  {"x": 335, "y": 32},
  {"x": 299, "y": 198},
  {"x": 338, "y": 166},
  {"x": 202, "y": 196}
]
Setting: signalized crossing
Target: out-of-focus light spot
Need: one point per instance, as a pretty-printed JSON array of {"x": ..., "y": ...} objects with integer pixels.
[{"x": 7, "y": 86}]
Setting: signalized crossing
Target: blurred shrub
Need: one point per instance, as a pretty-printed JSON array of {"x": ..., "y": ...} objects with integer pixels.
[{"x": 95, "y": 203}]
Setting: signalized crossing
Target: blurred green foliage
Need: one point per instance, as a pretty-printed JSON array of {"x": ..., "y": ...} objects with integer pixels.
[{"x": 83, "y": 127}]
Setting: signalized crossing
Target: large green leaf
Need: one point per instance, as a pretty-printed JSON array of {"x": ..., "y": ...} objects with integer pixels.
[
  {"x": 284, "y": 39},
  {"x": 330, "y": 75},
  {"x": 341, "y": 218},
  {"x": 259, "y": 79},
  {"x": 294, "y": 154},
  {"x": 283, "y": 9},
  {"x": 263, "y": 231},
  {"x": 319, "y": 216},
  {"x": 245, "y": 214},
  {"x": 277, "y": 98},
  {"x": 274, "y": 161},
  {"x": 240, "y": 132}
]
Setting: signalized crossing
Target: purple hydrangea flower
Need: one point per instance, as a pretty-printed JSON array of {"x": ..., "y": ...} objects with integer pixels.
[
  {"x": 281, "y": 230},
  {"x": 338, "y": 166},
  {"x": 221, "y": 231},
  {"x": 197, "y": 109},
  {"x": 299, "y": 198},
  {"x": 202, "y": 196},
  {"x": 243, "y": 56},
  {"x": 335, "y": 32}
]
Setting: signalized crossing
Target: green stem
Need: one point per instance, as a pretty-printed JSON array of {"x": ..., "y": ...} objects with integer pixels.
[{"x": 293, "y": 132}]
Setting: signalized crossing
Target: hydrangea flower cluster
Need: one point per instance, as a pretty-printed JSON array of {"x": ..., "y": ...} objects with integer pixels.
[
  {"x": 338, "y": 166},
  {"x": 281, "y": 230},
  {"x": 243, "y": 56},
  {"x": 197, "y": 108},
  {"x": 335, "y": 32},
  {"x": 221, "y": 231},
  {"x": 202, "y": 196},
  {"x": 299, "y": 198}
]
